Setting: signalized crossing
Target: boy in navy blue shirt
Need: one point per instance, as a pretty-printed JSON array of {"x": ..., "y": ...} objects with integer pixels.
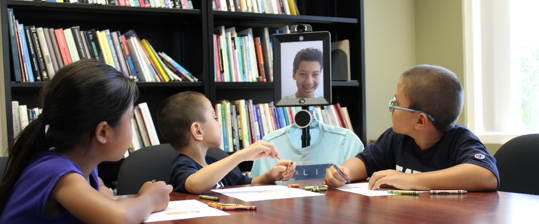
[
  {"x": 425, "y": 149},
  {"x": 188, "y": 122}
]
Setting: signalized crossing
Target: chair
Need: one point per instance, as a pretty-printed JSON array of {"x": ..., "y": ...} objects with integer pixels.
[
  {"x": 151, "y": 163},
  {"x": 518, "y": 162}
]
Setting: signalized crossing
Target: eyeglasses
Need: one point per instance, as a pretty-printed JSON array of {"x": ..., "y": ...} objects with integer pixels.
[{"x": 392, "y": 107}]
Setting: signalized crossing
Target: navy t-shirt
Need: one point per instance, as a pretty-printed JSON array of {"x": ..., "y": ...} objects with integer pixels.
[
  {"x": 400, "y": 152},
  {"x": 183, "y": 166}
]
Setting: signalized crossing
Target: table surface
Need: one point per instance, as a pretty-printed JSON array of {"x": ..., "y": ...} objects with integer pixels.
[{"x": 338, "y": 206}]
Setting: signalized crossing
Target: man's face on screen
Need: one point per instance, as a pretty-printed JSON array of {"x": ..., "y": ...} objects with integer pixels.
[{"x": 307, "y": 78}]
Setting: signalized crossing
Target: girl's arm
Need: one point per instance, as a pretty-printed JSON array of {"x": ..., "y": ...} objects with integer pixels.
[
  {"x": 104, "y": 189},
  {"x": 74, "y": 193}
]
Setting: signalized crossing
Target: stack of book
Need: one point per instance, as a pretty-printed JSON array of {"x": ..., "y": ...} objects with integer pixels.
[
  {"x": 170, "y": 4},
  {"x": 22, "y": 116},
  {"x": 38, "y": 53},
  {"x": 285, "y": 7},
  {"x": 244, "y": 122},
  {"x": 144, "y": 132},
  {"x": 242, "y": 57}
]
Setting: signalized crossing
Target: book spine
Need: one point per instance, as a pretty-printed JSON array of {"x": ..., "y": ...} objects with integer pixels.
[
  {"x": 62, "y": 45},
  {"x": 94, "y": 43},
  {"x": 14, "y": 46},
  {"x": 56, "y": 49},
  {"x": 225, "y": 129},
  {"x": 220, "y": 120},
  {"x": 235, "y": 130},
  {"x": 155, "y": 60},
  {"x": 50, "y": 48},
  {"x": 228, "y": 118},
  {"x": 47, "y": 57},
  {"x": 268, "y": 52},
  {"x": 16, "y": 118},
  {"x": 251, "y": 120},
  {"x": 141, "y": 127},
  {"x": 23, "y": 116},
  {"x": 78, "y": 42},
  {"x": 119, "y": 53},
  {"x": 33, "y": 54},
  {"x": 139, "y": 69},
  {"x": 27, "y": 61},
  {"x": 86, "y": 45},
  {"x": 261, "y": 66},
  {"x": 70, "y": 42},
  {"x": 112, "y": 50},
  {"x": 105, "y": 47},
  {"x": 129, "y": 60}
]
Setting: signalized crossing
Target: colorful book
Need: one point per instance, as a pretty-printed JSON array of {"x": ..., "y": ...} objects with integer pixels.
[
  {"x": 14, "y": 46},
  {"x": 62, "y": 46}
]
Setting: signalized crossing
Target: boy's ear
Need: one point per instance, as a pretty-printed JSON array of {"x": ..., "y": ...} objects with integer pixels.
[
  {"x": 196, "y": 131},
  {"x": 422, "y": 122},
  {"x": 102, "y": 131}
]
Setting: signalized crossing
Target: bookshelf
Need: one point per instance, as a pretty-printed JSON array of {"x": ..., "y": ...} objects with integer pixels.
[{"x": 186, "y": 35}]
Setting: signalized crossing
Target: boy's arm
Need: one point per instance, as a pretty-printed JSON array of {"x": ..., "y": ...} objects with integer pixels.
[
  {"x": 276, "y": 172},
  {"x": 465, "y": 176},
  {"x": 208, "y": 176},
  {"x": 352, "y": 168}
]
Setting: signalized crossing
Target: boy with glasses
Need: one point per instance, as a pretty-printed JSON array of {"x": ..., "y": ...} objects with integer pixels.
[{"x": 425, "y": 149}]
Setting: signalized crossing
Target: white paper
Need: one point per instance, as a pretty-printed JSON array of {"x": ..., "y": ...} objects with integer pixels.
[
  {"x": 363, "y": 188},
  {"x": 185, "y": 209},
  {"x": 261, "y": 193}
]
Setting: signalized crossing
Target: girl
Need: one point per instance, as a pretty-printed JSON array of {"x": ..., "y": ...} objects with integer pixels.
[{"x": 51, "y": 173}]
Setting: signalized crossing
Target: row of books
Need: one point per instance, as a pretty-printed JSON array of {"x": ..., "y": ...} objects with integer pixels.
[
  {"x": 38, "y": 53},
  {"x": 244, "y": 122},
  {"x": 244, "y": 56},
  {"x": 171, "y": 4},
  {"x": 286, "y": 7},
  {"x": 22, "y": 116},
  {"x": 144, "y": 132}
]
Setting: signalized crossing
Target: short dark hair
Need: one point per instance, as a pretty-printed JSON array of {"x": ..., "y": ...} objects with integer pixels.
[
  {"x": 308, "y": 54},
  {"x": 436, "y": 91},
  {"x": 176, "y": 115}
]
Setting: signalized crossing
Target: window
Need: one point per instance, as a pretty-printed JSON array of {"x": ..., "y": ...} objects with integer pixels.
[{"x": 502, "y": 68}]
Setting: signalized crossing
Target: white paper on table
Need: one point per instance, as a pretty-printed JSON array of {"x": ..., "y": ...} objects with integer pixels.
[
  {"x": 363, "y": 188},
  {"x": 261, "y": 193},
  {"x": 185, "y": 209}
]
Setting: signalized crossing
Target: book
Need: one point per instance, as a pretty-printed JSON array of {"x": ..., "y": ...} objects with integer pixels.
[
  {"x": 225, "y": 128},
  {"x": 50, "y": 48},
  {"x": 251, "y": 52},
  {"x": 148, "y": 123},
  {"x": 26, "y": 55},
  {"x": 228, "y": 122},
  {"x": 220, "y": 120},
  {"x": 347, "y": 118},
  {"x": 62, "y": 46},
  {"x": 33, "y": 55},
  {"x": 226, "y": 75},
  {"x": 216, "y": 59},
  {"x": 105, "y": 48},
  {"x": 94, "y": 46},
  {"x": 112, "y": 50},
  {"x": 136, "y": 140},
  {"x": 155, "y": 59},
  {"x": 85, "y": 44},
  {"x": 140, "y": 68},
  {"x": 14, "y": 46},
  {"x": 260, "y": 57},
  {"x": 71, "y": 46},
  {"x": 142, "y": 129},
  {"x": 143, "y": 57},
  {"x": 45, "y": 52},
  {"x": 243, "y": 121},
  {"x": 127, "y": 53},
  {"x": 56, "y": 49},
  {"x": 23, "y": 116},
  {"x": 234, "y": 124},
  {"x": 338, "y": 111},
  {"x": 119, "y": 53},
  {"x": 16, "y": 118},
  {"x": 173, "y": 65}
]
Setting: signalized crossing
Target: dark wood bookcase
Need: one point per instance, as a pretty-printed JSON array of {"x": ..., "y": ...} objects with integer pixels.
[{"x": 186, "y": 35}]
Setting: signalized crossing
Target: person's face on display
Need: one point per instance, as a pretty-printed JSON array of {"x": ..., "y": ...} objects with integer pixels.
[{"x": 307, "y": 78}]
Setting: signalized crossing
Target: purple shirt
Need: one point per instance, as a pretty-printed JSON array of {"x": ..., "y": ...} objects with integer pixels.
[{"x": 27, "y": 199}]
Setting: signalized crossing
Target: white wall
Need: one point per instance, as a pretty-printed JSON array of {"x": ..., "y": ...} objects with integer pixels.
[{"x": 389, "y": 50}]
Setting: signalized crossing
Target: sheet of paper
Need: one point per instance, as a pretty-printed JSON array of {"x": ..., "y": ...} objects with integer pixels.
[
  {"x": 362, "y": 188},
  {"x": 185, "y": 209},
  {"x": 261, "y": 193}
]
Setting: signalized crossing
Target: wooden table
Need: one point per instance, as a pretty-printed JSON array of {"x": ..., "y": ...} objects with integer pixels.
[{"x": 343, "y": 207}]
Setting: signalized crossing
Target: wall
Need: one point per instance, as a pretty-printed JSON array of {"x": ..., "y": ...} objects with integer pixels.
[{"x": 389, "y": 50}]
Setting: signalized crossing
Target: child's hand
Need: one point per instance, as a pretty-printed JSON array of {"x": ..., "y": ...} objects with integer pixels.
[
  {"x": 391, "y": 178},
  {"x": 283, "y": 170},
  {"x": 158, "y": 193},
  {"x": 258, "y": 150},
  {"x": 333, "y": 177}
]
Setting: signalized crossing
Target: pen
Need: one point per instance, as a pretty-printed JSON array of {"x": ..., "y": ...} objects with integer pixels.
[
  {"x": 237, "y": 208},
  {"x": 342, "y": 174},
  {"x": 403, "y": 192},
  {"x": 448, "y": 191},
  {"x": 208, "y": 197}
]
